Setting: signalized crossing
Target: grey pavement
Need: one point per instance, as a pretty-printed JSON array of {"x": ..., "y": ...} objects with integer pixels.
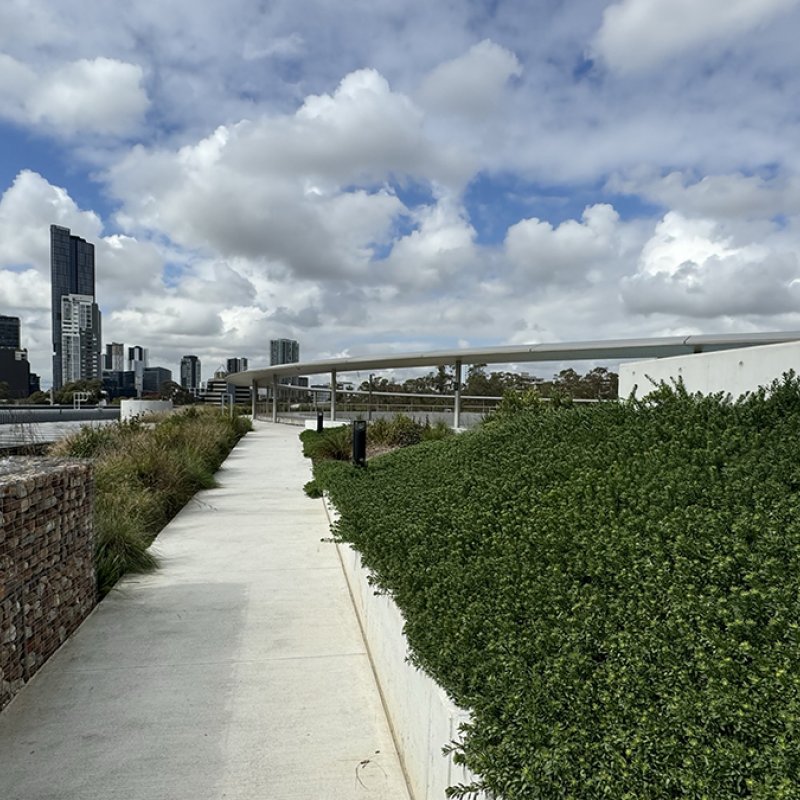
[{"x": 235, "y": 671}]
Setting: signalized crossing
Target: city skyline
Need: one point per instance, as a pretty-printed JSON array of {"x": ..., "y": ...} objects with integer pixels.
[{"x": 405, "y": 176}]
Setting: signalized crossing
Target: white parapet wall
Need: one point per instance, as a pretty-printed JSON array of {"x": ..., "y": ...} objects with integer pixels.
[
  {"x": 423, "y": 718},
  {"x": 130, "y": 409},
  {"x": 311, "y": 424},
  {"x": 731, "y": 371}
]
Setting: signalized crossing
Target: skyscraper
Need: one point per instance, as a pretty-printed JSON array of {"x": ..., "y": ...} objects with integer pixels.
[
  {"x": 190, "y": 374},
  {"x": 80, "y": 338},
  {"x": 9, "y": 332},
  {"x": 115, "y": 357},
  {"x": 283, "y": 351},
  {"x": 14, "y": 367},
  {"x": 236, "y": 365},
  {"x": 137, "y": 363},
  {"x": 72, "y": 273}
]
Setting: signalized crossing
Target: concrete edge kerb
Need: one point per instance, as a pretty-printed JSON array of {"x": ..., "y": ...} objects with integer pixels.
[
  {"x": 332, "y": 514},
  {"x": 427, "y": 770}
]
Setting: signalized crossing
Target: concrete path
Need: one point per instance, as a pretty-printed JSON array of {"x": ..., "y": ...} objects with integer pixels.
[{"x": 235, "y": 671}]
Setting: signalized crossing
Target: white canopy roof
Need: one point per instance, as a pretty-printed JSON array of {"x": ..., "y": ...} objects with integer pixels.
[{"x": 555, "y": 351}]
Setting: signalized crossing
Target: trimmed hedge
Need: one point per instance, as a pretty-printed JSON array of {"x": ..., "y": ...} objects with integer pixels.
[{"x": 614, "y": 591}]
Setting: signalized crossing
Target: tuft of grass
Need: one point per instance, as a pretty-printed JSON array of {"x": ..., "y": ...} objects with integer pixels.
[
  {"x": 330, "y": 444},
  {"x": 144, "y": 474}
]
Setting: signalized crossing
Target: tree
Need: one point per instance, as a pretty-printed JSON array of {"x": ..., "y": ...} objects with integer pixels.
[
  {"x": 39, "y": 399},
  {"x": 93, "y": 388},
  {"x": 5, "y": 391},
  {"x": 601, "y": 383},
  {"x": 169, "y": 390},
  {"x": 597, "y": 384},
  {"x": 443, "y": 380}
]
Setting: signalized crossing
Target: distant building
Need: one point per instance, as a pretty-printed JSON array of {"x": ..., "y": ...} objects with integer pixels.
[
  {"x": 114, "y": 359},
  {"x": 137, "y": 355},
  {"x": 236, "y": 365},
  {"x": 34, "y": 383},
  {"x": 190, "y": 374},
  {"x": 80, "y": 339},
  {"x": 218, "y": 387},
  {"x": 15, "y": 371},
  {"x": 137, "y": 363},
  {"x": 283, "y": 351},
  {"x": 9, "y": 332},
  {"x": 119, "y": 383},
  {"x": 14, "y": 368},
  {"x": 154, "y": 377},
  {"x": 72, "y": 274}
]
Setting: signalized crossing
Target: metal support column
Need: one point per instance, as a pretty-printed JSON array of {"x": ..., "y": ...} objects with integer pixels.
[
  {"x": 274, "y": 398},
  {"x": 333, "y": 395},
  {"x": 253, "y": 397},
  {"x": 457, "y": 403}
]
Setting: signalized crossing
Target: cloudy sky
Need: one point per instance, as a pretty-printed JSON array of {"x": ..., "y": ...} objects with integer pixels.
[{"x": 367, "y": 176}]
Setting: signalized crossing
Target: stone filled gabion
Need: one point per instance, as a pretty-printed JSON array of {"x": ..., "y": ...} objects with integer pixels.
[{"x": 47, "y": 579}]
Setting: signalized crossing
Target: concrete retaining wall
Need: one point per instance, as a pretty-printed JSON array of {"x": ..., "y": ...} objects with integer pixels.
[
  {"x": 469, "y": 419},
  {"x": 140, "y": 408},
  {"x": 47, "y": 580},
  {"x": 732, "y": 371},
  {"x": 422, "y": 716}
]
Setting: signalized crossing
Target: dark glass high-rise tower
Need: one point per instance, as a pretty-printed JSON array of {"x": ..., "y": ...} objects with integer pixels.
[
  {"x": 9, "y": 332},
  {"x": 72, "y": 273},
  {"x": 190, "y": 373}
]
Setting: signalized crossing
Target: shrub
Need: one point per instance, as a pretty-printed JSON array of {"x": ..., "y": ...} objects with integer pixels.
[
  {"x": 436, "y": 432},
  {"x": 404, "y": 431},
  {"x": 379, "y": 431},
  {"x": 612, "y": 591},
  {"x": 331, "y": 443},
  {"x": 312, "y": 489}
]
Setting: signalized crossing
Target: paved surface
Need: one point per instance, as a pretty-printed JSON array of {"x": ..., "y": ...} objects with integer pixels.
[{"x": 235, "y": 671}]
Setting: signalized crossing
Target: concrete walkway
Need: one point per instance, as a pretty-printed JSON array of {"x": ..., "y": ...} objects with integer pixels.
[{"x": 235, "y": 671}]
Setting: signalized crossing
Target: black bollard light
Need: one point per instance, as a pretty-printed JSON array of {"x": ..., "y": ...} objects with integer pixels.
[
  {"x": 320, "y": 425},
  {"x": 360, "y": 443}
]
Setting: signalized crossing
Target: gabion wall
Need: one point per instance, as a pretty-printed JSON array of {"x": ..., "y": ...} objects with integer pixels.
[{"x": 47, "y": 581}]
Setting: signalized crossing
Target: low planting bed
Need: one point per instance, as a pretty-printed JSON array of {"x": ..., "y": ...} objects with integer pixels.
[
  {"x": 612, "y": 591},
  {"x": 144, "y": 474}
]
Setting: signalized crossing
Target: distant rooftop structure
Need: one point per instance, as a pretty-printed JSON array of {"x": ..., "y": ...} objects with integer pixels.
[
  {"x": 284, "y": 351},
  {"x": 236, "y": 365}
]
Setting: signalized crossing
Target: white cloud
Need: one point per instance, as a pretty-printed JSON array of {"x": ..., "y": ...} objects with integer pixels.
[
  {"x": 732, "y": 197},
  {"x": 24, "y": 290},
  {"x": 27, "y": 209},
  {"x": 97, "y": 96},
  {"x": 440, "y": 251},
  {"x": 691, "y": 267},
  {"x": 640, "y": 34},
  {"x": 566, "y": 254},
  {"x": 281, "y": 47},
  {"x": 302, "y": 192},
  {"x": 471, "y": 85}
]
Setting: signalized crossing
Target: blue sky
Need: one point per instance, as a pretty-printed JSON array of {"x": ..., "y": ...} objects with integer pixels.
[{"x": 404, "y": 175}]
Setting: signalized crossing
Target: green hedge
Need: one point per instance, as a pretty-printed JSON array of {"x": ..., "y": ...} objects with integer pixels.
[{"x": 614, "y": 591}]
